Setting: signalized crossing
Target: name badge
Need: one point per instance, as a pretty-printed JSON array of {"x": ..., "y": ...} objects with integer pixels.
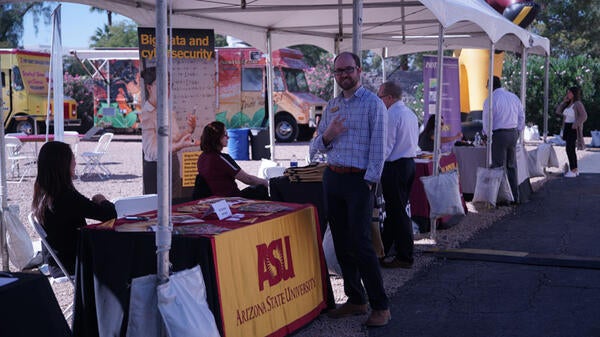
[
  {"x": 221, "y": 208},
  {"x": 334, "y": 109}
]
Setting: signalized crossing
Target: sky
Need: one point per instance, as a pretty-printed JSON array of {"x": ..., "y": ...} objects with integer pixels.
[{"x": 78, "y": 25}]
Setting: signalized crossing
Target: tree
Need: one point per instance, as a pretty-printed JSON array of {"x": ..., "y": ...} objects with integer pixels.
[
  {"x": 102, "y": 11},
  {"x": 11, "y": 20},
  {"x": 123, "y": 34},
  {"x": 571, "y": 26}
]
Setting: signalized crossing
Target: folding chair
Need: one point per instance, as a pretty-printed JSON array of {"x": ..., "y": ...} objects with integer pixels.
[
  {"x": 93, "y": 164},
  {"x": 20, "y": 161},
  {"x": 72, "y": 138},
  {"x": 136, "y": 204},
  {"x": 42, "y": 233}
]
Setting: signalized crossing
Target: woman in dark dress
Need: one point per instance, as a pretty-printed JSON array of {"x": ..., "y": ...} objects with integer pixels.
[
  {"x": 60, "y": 208},
  {"x": 220, "y": 171}
]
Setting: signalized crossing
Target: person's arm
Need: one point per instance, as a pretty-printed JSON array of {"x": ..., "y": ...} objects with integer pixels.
[
  {"x": 580, "y": 115},
  {"x": 561, "y": 107},
  {"x": 98, "y": 208},
  {"x": 250, "y": 180},
  {"x": 448, "y": 139}
]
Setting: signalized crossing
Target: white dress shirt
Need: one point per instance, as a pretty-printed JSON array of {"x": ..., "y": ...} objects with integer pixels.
[
  {"x": 402, "y": 133},
  {"x": 508, "y": 111}
]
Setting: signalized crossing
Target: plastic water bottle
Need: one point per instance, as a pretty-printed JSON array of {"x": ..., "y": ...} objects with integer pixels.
[
  {"x": 477, "y": 140},
  {"x": 293, "y": 161}
]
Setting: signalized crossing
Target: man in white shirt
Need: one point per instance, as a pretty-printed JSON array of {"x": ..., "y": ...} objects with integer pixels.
[
  {"x": 398, "y": 175},
  {"x": 508, "y": 120}
]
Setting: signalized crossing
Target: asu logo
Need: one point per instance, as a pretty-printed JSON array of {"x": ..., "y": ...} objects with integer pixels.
[{"x": 273, "y": 265}]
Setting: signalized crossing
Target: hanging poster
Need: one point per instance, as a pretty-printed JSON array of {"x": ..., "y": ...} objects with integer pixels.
[
  {"x": 450, "y": 95},
  {"x": 191, "y": 103}
]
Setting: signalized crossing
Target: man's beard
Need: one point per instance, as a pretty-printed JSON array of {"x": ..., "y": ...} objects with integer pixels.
[{"x": 348, "y": 83}]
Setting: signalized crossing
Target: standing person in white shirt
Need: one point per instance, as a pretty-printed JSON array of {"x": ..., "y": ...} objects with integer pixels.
[
  {"x": 574, "y": 115},
  {"x": 398, "y": 175},
  {"x": 508, "y": 120}
]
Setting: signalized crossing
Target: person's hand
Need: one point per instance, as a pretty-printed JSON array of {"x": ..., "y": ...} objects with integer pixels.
[
  {"x": 190, "y": 119},
  {"x": 98, "y": 198},
  {"x": 335, "y": 128},
  {"x": 185, "y": 141},
  {"x": 459, "y": 135}
]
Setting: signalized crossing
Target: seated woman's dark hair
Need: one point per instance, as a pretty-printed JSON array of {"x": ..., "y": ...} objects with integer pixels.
[
  {"x": 53, "y": 177},
  {"x": 210, "y": 141}
]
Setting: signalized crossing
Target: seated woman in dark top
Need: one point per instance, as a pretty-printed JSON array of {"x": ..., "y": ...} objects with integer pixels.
[
  {"x": 60, "y": 208},
  {"x": 220, "y": 171},
  {"x": 426, "y": 137}
]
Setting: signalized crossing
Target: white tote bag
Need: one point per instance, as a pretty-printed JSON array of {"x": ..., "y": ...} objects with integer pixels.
[
  {"x": 443, "y": 194},
  {"x": 20, "y": 247},
  {"x": 182, "y": 305}
]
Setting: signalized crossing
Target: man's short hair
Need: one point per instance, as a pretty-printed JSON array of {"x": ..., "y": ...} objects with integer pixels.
[
  {"x": 354, "y": 56},
  {"x": 392, "y": 88},
  {"x": 497, "y": 84}
]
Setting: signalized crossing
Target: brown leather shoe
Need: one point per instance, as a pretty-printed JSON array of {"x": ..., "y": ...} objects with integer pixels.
[
  {"x": 348, "y": 309},
  {"x": 379, "y": 318},
  {"x": 396, "y": 263}
]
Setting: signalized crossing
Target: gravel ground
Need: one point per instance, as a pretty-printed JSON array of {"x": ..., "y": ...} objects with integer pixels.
[{"x": 125, "y": 162}]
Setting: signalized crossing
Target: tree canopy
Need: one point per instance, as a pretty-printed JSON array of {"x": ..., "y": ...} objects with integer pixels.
[
  {"x": 11, "y": 20},
  {"x": 122, "y": 34}
]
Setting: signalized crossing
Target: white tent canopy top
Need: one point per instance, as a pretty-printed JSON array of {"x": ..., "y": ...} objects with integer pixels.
[{"x": 403, "y": 26}]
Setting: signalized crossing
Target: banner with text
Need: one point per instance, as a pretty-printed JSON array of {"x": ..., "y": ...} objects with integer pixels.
[
  {"x": 193, "y": 97},
  {"x": 271, "y": 277},
  {"x": 450, "y": 95}
]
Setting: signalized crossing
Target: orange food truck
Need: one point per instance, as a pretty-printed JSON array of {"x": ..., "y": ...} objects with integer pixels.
[{"x": 24, "y": 76}]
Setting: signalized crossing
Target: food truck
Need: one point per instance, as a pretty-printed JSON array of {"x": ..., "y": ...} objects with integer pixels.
[
  {"x": 25, "y": 92},
  {"x": 240, "y": 90},
  {"x": 242, "y": 95},
  {"x": 116, "y": 86}
]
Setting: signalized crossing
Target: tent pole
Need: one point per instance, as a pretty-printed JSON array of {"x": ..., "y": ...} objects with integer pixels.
[
  {"x": 336, "y": 52},
  {"x": 546, "y": 94},
  {"x": 384, "y": 53},
  {"x": 3, "y": 191},
  {"x": 488, "y": 132},
  {"x": 57, "y": 75},
  {"x": 163, "y": 234},
  {"x": 438, "y": 118},
  {"x": 270, "y": 96},
  {"x": 357, "y": 9},
  {"x": 523, "y": 85}
]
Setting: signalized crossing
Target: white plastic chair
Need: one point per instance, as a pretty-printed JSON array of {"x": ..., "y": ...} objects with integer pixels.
[
  {"x": 135, "y": 204},
  {"x": 275, "y": 171},
  {"x": 93, "y": 164},
  {"x": 42, "y": 233},
  {"x": 20, "y": 161}
]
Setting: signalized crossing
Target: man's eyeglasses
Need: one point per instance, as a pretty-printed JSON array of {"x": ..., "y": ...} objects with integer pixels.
[{"x": 347, "y": 70}]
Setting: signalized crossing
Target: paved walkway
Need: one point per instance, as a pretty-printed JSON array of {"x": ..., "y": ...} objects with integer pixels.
[{"x": 473, "y": 296}]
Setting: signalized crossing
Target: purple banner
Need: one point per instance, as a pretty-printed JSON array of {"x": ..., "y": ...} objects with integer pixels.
[{"x": 450, "y": 95}]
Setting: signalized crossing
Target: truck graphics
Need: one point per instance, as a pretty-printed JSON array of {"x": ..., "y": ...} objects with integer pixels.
[{"x": 24, "y": 79}]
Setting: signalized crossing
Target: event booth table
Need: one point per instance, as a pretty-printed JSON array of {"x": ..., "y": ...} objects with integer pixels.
[
  {"x": 29, "y": 307},
  {"x": 264, "y": 273},
  {"x": 469, "y": 158},
  {"x": 312, "y": 192}
]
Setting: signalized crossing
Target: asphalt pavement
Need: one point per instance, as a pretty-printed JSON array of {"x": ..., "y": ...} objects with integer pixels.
[{"x": 536, "y": 272}]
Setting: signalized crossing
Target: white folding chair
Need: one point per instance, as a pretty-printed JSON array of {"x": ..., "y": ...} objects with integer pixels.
[
  {"x": 135, "y": 204},
  {"x": 72, "y": 138},
  {"x": 93, "y": 164},
  {"x": 275, "y": 171},
  {"x": 20, "y": 161},
  {"x": 42, "y": 233}
]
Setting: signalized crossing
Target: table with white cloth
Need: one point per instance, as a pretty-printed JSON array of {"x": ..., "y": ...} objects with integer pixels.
[{"x": 469, "y": 158}]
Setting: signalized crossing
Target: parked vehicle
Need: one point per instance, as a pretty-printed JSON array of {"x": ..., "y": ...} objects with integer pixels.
[
  {"x": 25, "y": 92},
  {"x": 116, "y": 89},
  {"x": 242, "y": 95},
  {"x": 240, "y": 90}
]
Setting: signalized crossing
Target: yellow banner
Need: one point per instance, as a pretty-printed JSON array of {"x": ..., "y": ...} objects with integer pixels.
[{"x": 269, "y": 274}]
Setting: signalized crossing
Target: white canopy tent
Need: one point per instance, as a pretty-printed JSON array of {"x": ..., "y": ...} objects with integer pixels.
[{"x": 403, "y": 26}]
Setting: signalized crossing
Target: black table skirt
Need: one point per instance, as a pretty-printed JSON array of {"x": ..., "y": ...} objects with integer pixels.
[
  {"x": 28, "y": 307},
  {"x": 108, "y": 261}
]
